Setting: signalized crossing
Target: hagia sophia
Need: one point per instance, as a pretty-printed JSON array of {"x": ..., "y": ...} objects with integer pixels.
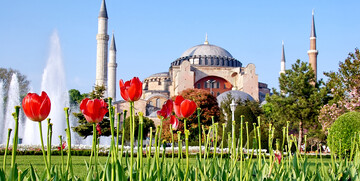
[{"x": 205, "y": 66}]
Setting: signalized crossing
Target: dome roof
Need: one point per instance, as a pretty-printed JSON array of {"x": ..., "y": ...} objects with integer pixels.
[
  {"x": 235, "y": 94},
  {"x": 206, "y": 49}
]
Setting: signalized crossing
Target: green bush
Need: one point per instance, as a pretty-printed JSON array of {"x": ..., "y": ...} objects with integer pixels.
[
  {"x": 248, "y": 117},
  {"x": 147, "y": 124},
  {"x": 343, "y": 130}
]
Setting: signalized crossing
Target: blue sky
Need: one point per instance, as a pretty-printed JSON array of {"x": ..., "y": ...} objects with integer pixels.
[{"x": 151, "y": 34}]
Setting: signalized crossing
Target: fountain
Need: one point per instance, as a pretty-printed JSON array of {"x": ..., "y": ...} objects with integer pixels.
[
  {"x": 13, "y": 100},
  {"x": 53, "y": 83},
  {"x": 1, "y": 107}
]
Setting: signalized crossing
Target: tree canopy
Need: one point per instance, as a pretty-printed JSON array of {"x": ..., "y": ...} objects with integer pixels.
[
  {"x": 5, "y": 76},
  {"x": 299, "y": 100}
]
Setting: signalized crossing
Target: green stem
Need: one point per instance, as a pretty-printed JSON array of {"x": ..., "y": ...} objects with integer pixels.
[
  {"x": 141, "y": 122},
  {"x": 149, "y": 153},
  {"x": 112, "y": 130},
  {"x": 233, "y": 146},
  {"x": 43, "y": 150},
  {"x": 6, "y": 150},
  {"x": 222, "y": 142},
  {"x": 247, "y": 138},
  {"x": 216, "y": 137},
  {"x": 259, "y": 141},
  {"x": 123, "y": 136},
  {"x": 159, "y": 139},
  {"x": 117, "y": 132},
  {"x": 241, "y": 146},
  {"x": 199, "y": 126},
  {"x": 187, "y": 153},
  {"x": 179, "y": 153},
  {"x": 62, "y": 154},
  {"x": 132, "y": 130},
  {"x": 69, "y": 167},
  {"x": 172, "y": 143},
  {"x": 49, "y": 137},
  {"x": 15, "y": 141},
  {"x": 156, "y": 153}
]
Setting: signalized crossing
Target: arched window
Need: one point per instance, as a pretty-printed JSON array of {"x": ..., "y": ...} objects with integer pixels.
[
  {"x": 218, "y": 84},
  {"x": 157, "y": 102}
]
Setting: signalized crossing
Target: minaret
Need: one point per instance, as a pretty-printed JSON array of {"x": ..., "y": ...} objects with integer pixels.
[
  {"x": 282, "y": 69},
  {"x": 313, "y": 52},
  {"x": 112, "y": 69},
  {"x": 102, "y": 47}
]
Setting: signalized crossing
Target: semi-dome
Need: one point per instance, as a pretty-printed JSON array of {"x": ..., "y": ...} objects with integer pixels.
[
  {"x": 206, "y": 49},
  {"x": 236, "y": 94}
]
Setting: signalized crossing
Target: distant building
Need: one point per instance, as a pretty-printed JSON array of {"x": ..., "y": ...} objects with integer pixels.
[{"x": 205, "y": 66}]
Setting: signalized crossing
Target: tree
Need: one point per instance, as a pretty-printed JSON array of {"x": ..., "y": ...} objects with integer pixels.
[
  {"x": 84, "y": 128},
  {"x": 344, "y": 88},
  {"x": 299, "y": 102},
  {"x": 249, "y": 109},
  {"x": 346, "y": 79},
  {"x": 76, "y": 97},
  {"x": 5, "y": 76},
  {"x": 209, "y": 107}
]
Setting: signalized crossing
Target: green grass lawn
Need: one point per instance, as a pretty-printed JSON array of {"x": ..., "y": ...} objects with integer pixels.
[{"x": 79, "y": 167}]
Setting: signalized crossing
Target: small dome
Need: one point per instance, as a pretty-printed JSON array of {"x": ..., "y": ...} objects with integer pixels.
[
  {"x": 235, "y": 94},
  {"x": 206, "y": 49}
]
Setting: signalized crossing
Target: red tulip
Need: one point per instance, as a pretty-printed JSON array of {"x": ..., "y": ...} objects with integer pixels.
[
  {"x": 62, "y": 146},
  {"x": 174, "y": 122},
  {"x": 177, "y": 103},
  {"x": 187, "y": 108},
  {"x": 184, "y": 107},
  {"x": 132, "y": 90},
  {"x": 93, "y": 110},
  {"x": 278, "y": 156},
  {"x": 36, "y": 108},
  {"x": 166, "y": 110},
  {"x": 98, "y": 129}
]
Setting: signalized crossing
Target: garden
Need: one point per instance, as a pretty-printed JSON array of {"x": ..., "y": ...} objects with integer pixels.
[{"x": 308, "y": 130}]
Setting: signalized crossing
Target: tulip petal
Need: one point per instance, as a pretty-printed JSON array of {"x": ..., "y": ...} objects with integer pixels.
[
  {"x": 187, "y": 108},
  {"x": 177, "y": 103}
]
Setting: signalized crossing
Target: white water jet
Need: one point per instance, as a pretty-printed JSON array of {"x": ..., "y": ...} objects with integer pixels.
[
  {"x": 53, "y": 83},
  {"x": 2, "y": 116},
  {"x": 13, "y": 100}
]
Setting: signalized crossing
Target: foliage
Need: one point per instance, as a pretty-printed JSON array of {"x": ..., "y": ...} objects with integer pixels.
[
  {"x": 166, "y": 132},
  {"x": 76, "y": 97},
  {"x": 147, "y": 124},
  {"x": 344, "y": 87},
  {"x": 299, "y": 100},
  {"x": 343, "y": 130},
  {"x": 84, "y": 128},
  {"x": 250, "y": 109},
  {"x": 5, "y": 76},
  {"x": 249, "y": 117},
  {"x": 209, "y": 107},
  {"x": 328, "y": 115},
  {"x": 347, "y": 78}
]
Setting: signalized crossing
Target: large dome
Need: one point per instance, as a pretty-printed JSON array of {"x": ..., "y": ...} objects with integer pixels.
[
  {"x": 207, "y": 55},
  {"x": 206, "y": 49}
]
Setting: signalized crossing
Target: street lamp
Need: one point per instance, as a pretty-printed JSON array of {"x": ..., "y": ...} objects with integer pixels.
[
  {"x": 233, "y": 107},
  {"x": 211, "y": 82}
]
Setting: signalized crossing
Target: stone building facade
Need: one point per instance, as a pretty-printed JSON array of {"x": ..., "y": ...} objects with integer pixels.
[{"x": 205, "y": 66}]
